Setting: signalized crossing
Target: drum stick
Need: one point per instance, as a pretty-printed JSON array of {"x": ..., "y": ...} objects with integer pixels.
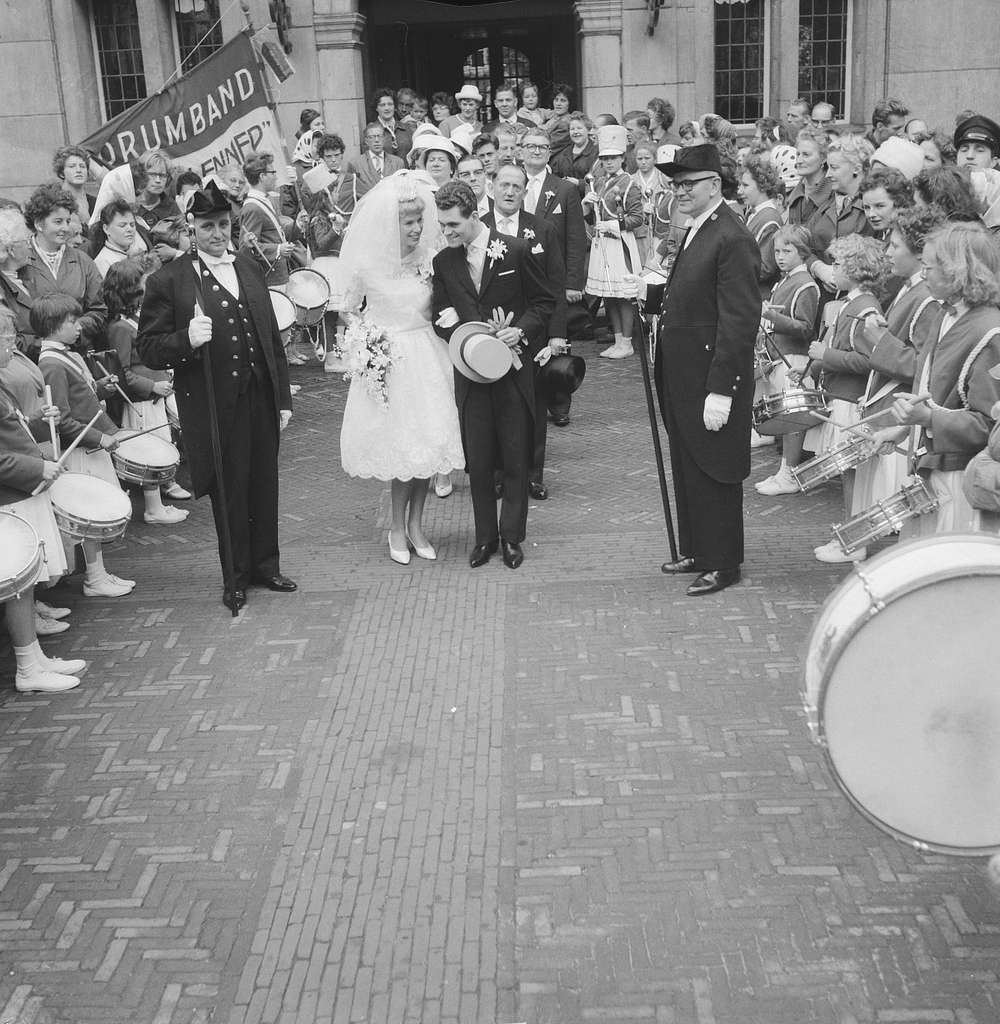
[
  {"x": 52, "y": 423},
  {"x": 69, "y": 451},
  {"x": 919, "y": 400},
  {"x": 137, "y": 433},
  {"x": 117, "y": 387}
]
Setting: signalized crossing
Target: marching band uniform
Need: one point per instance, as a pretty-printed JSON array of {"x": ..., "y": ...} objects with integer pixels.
[
  {"x": 614, "y": 251},
  {"x": 762, "y": 222},
  {"x": 954, "y": 369},
  {"x": 798, "y": 294}
]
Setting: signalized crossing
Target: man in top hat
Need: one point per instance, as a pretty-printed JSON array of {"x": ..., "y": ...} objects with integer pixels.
[
  {"x": 488, "y": 277},
  {"x": 977, "y": 143},
  {"x": 704, "y": 370},
  {"x": 469, "y": 100},
  {"x": 216, "y": 306}
]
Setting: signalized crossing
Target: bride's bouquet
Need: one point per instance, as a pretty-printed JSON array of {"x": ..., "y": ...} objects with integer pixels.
[{"x": 370, "y": 357}]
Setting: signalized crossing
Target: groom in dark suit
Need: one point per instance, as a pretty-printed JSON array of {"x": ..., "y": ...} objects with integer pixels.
[{"x": 484, "y": 276}]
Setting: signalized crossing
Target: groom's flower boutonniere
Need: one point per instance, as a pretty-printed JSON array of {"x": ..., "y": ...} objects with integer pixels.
[
  {"x": 549, "y": 194},
  {"x": 496, "y": 250},
  {"x": 528, "y": 233}
]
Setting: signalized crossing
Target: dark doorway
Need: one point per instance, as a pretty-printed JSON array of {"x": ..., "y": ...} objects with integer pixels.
[{"x": 432, "y": 56}]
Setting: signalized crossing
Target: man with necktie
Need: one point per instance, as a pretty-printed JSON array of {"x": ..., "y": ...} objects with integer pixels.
[
  {"x": 215, "y": 306},
  {"x": 483, "y": 276},
  {"x": 363, "y": 172}
]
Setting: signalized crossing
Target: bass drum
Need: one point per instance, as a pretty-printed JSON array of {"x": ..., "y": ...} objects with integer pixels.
[{"x": 902, "y": 694}]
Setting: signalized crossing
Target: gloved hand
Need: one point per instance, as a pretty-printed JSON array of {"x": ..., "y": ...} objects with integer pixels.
[
  {"x": 199, "y": 329},
  {"x": 716, "y": 414}
]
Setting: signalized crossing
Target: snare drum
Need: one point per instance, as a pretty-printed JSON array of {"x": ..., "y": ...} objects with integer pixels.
[
  {"x": 146, "y": 460},
  {"x": 21, "y": 556},
  {"x": 850, "y": 454},
  {"x": 87, "y": 508},
  {"x": 901, "y": 692},
  {"x": 790, "y": 411},
  {"x": 329, "y": 267},
  {"x": 284, "y": 310},
  {"x": 309, "y": 293},
  {"x": 885, "y": 517}
]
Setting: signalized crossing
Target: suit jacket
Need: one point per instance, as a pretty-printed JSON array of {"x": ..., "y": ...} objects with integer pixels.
[
  {"x": 162, "y": 344},
  {"x": 359, "y": 177},
  {"x": 708, "y": 325},
  {"x": 514, "y": 282},
  {"x": 400, "y": 144},
  {"x": 20, "y": 305},
  {"x": 559, "y": 205},
  {"x": 77, "y": 277},
  {"x": 551, "y": 263},
  {"x": 520, "y": 125}
]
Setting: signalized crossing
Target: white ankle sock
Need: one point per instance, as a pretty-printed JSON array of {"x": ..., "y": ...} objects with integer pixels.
[
  {"x": 154, "y": 502},
  {"x": 29, "y": 657}
]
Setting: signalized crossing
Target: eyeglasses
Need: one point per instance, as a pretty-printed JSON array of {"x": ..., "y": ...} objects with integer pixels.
[
  {"x": 534, "y": 147},
  {"x": 689, "y": 183},
  {"x": 157, "y": 174}
]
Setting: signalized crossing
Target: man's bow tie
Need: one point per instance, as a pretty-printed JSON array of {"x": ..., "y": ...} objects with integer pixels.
[{"x": 215, "y": 261}]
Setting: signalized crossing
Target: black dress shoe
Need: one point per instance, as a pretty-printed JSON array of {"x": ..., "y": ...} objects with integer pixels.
[
  {"x": 513, "y": 556},
  {"x": 234, "y": 599},
  {"x": 282, "y": 584},
  {"x": 683, "y": 564},
  {"x": 560, "y": 421},
  {"x": 537, "y": 490},
  {"x": 481, "y": 553},
  {"x": 710, "y": 582}
]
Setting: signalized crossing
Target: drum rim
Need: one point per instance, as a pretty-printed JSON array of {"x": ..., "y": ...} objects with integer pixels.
[
  {"x": 28, "y": 575},
  {"x": 878, "y": 601}
]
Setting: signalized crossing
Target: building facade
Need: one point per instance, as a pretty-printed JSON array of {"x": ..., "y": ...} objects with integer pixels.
[{"x": 68, "y": 65}]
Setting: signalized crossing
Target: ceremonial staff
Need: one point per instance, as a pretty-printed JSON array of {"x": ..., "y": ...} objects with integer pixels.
[{"x": 213, "y": 423}]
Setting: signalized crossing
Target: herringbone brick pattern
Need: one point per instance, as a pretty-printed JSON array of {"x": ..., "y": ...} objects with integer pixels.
[{"x": 565, "y": 794}]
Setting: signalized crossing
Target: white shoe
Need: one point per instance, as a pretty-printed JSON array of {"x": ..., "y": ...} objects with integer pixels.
[
  {"x": 618, "y": 351},
  {"x": 48, "y": 612},
  {"x": 166, "y": 516},
  {"x": 49, "y": 627},
  {"x": 760, "y": 440},
  {"x": 40, "y": 681},
  {"x": 294, "y": 388},
  {"x": 294, "y": 359},
  {"x": 106, "y": 586},
  {"x": 423, "y": 552},
  {"x": 400, "y": 555},
  {"x": 781, "y": 483},
  {"x": 834, "y": 553},
  {"x": 64, "y": 667},
  {"x": 175, "y": 491},
  {"x": 443, "y": 485},
  {"x": 122, "y": 583}
]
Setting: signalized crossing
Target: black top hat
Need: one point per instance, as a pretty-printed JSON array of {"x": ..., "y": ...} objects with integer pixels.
[
  {"x": 208, "y": 200},
  {"x": 979, "y": 129},
  {"x": 693, "y": 159},
  {"x": 560, "y": 376}
]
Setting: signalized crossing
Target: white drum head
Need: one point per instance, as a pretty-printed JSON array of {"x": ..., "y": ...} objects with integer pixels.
[
  {"x": 89, "y": 498},
  {"x": 148, "y": 450},
  {"x": 911, "y": 716},
  {"x": 307, "y": 289},
  {"x": 284, "y": 309}
]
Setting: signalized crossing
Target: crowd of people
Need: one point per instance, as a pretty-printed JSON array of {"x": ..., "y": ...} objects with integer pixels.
[{"x": 876, "y": 270}]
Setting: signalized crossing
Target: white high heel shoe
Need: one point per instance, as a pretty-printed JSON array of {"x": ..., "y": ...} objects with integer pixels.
[
  {"x": 422, "y": 552},
  {"x": 397, "y": 555}
]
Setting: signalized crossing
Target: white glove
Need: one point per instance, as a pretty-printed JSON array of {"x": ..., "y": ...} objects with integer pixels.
[
  {"x": 716, "y": 414},
  {"x": 284, "y": 418},
  {"x": 448, "y": 317},
  {"x": 200, "y": 330}
]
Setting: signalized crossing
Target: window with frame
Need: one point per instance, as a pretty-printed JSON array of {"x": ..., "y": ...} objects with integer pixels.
[
  {"x": 824, "y": 27},
  {"x": 119, "y": 54},
  {"x": 740, "y": 59},
  {"x": 199, "y": 33},
  {"x": 488, "y": 66}
]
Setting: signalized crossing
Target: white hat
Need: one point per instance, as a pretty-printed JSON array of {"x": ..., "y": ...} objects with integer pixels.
[
  {"x": 424, "y": 134},
  {"x": 665, "y": 154},
  {"x": 478, "y": 354},
  {"x": 464, "y": 135},
  {"x": 430, "y": 143},
  {"x": 901, "y": 155},
  {"x": 469, "y": 92},
  {"x": 612, "y": 140}
]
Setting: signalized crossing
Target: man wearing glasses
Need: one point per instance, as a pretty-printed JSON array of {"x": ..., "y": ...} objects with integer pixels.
[
  {"x": 823, "y": 116},
  {"x": 704, "y": 371}
]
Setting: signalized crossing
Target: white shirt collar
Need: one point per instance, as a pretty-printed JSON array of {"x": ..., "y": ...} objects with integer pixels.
[
  {"x": 697, "y": 222},
  {"x": 854, "y": 293},
  {"x": 225, "y": 259},
  {"x": 482, "y": 239},
  {"x": 513, "y": 217}
]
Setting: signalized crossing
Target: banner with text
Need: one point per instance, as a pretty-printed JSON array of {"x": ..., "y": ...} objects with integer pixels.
[{"x": 214, "y": 115}]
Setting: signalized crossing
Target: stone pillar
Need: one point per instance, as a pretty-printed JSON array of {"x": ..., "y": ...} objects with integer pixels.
[
  {"x": 601, "y": 76},
  {"x": 339, "y": 49}
]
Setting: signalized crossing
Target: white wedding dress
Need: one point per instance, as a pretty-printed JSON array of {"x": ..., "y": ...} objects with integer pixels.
[{"x": 416, "y": 434}]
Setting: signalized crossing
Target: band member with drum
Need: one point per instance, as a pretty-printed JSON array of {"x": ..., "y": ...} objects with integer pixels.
[
  {"x": 216, "y": 306},
  {"x": 148, "y": 390},
  {"x": 54, "y": 319},
  {"x": 704, "y": 370},
  {"x": 23, "y": 468},
  {"x": 961, "y": 263}
]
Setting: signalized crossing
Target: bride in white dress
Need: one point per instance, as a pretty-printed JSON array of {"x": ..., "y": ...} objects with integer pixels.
[{"x": 400, "y": 424}]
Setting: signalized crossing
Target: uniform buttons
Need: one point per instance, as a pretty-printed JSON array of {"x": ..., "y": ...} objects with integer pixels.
[
  {"x": 235, "y": 338},
  {"x": 232, "y": 321},
  {"x": 738, "y": 377},
  {"x": 708, "y": 348},
  {"x": 235, "y": 357},
  {"x": 215, "y": 288},
  {"x": 225, "y": 304},
  {"x": 235, "y": 374}
]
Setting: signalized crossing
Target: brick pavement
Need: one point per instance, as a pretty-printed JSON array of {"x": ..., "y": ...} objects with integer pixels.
[{"x": 565, "y": 794}]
